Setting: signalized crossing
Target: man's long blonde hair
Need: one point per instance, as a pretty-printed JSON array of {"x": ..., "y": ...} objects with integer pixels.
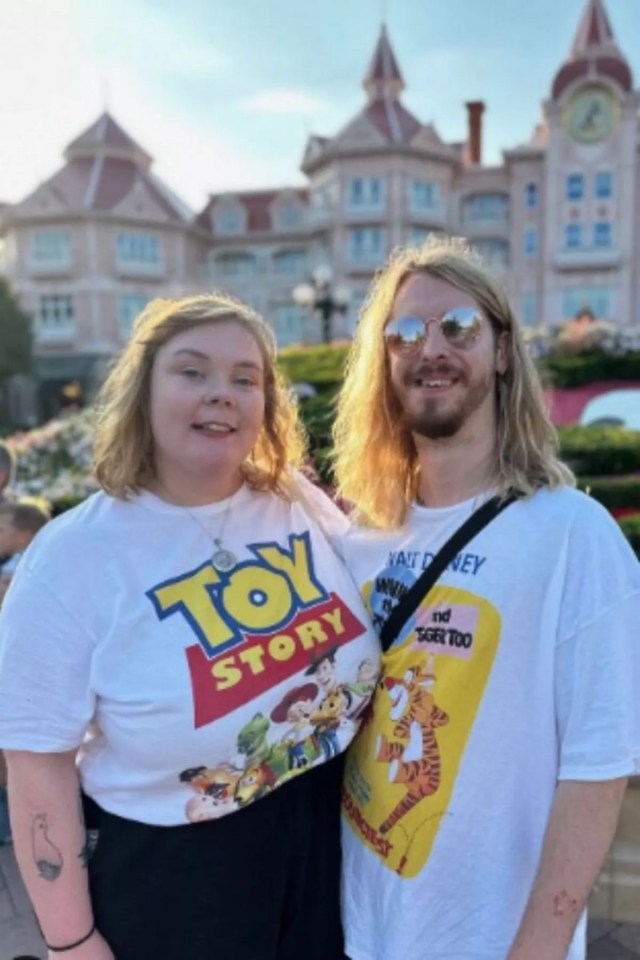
[
  {"x": 376, "y": 463},
  {"x": 123, "y": 449}
]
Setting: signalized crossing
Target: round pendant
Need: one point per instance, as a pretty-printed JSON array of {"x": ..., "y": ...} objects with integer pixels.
[{"x": 223, "y": 560}]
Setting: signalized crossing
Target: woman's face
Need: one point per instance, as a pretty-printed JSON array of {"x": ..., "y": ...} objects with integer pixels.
[{"x": 206, "y": 410}]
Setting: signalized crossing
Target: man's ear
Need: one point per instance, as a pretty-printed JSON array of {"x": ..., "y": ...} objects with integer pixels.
[{"x": 502, "y": 353}]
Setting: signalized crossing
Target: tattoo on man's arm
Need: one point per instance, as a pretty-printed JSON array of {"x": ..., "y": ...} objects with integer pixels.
[{"x": 46, "y": 856}]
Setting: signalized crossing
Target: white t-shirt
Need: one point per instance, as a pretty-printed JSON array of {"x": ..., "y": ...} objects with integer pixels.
[
  {"x": 521, "y": 669},
  {"x": 197, "y": 691}
]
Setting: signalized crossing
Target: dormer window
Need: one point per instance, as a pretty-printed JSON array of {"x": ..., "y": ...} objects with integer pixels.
[
  {"x": 289, "y": 215},
  {"x": 229, "y": 220}
]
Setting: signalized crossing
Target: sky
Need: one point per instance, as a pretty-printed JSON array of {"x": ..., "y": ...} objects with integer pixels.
[{"x": 223, "y": 93}]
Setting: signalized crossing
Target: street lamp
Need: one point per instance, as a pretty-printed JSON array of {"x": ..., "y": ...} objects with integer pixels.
[{"x": 325, "y": 301}]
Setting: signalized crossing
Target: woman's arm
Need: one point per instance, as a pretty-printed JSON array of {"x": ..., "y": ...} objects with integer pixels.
[{"x": 50, "y": 842}]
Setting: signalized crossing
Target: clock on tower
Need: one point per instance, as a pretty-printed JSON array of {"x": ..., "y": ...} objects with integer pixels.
[{"x": 592, "y": 114}]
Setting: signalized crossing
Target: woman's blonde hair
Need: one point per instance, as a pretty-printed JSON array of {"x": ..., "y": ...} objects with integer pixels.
[
  {"x": 376, "y": 463},
  {"x": 123, "y": 450}
]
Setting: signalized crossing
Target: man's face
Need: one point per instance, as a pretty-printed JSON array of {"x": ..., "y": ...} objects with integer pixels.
[{"x": 443, "y": 388}]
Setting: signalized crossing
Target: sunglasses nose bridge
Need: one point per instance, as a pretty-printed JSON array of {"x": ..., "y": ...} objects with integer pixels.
[{"x": 434, "y": 341}]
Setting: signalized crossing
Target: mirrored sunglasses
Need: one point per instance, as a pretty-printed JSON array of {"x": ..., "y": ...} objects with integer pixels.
[{"x": 460, "y": 327}]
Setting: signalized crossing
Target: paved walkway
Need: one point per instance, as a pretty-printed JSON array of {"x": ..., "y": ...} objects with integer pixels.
[{"x": 19, "y": 934}]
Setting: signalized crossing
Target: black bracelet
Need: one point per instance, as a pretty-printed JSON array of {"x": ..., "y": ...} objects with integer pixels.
[{"x": 71, "y": 946}]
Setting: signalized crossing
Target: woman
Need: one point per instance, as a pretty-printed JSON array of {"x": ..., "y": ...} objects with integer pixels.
[{"x": 170, "y": 627}]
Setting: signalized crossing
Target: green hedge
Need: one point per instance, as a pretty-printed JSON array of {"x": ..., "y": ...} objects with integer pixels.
[
  {"x": 321, "y": 365},
  {"x": 630, "y": 526},
  {"x": 613, "y": 492},
  {"x": 600, "y": 451},
  {"x": 580, "y": 369}
]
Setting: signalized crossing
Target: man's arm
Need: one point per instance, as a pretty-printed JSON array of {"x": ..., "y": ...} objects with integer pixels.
[{"x": 581, "y": 826}]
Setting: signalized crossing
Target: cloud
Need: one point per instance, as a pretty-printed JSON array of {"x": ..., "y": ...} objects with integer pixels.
[{"x": 289, "y": 101}]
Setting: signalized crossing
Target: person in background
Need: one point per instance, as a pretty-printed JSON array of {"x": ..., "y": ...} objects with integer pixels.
[
  {"x": 19, "y": 523},
  {"x": 7, "y": 468},
  {"x": 157, "y": 628},
  {"x": 483, "y": 792}
]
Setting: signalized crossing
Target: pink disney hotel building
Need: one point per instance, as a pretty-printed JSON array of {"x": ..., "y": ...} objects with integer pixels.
[{"x": 559, "y": 219}]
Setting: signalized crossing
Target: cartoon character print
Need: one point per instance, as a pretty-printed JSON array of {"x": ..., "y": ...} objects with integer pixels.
[
  {"x": 215, "y": 789},
  {"x": 361, "y": 691},
  {"x": 296, "y": 709},
  {"x": 414, "y": 755},
  {"x": 320, "y": 718}
]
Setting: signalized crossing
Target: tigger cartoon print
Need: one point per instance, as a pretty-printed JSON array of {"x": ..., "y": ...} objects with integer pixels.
[
  {"x": 413, "y": 755},
  {"x": 401, "y": 771}
]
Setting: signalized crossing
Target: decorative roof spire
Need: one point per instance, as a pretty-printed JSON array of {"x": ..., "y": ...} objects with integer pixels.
[
  {"x": 105, "y": 137},
  {"x": 595, "y": 53},
  {"x": 383, "y": 78},
  {"x": 594, "y": 30}
]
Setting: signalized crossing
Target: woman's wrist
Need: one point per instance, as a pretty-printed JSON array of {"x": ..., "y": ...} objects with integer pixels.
[{"x": 71, "y": 945}]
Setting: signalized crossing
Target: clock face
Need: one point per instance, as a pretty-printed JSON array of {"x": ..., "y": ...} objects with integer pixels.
[{"x": 591, "y": 115}]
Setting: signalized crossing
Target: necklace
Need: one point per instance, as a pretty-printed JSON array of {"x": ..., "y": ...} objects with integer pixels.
[{"x": 222, "y": 559}]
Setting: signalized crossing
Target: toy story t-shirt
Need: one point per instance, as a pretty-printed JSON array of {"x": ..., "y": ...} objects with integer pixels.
[
  {"x": 195, "y": 691},
  {"x": 520, "y": 667}
]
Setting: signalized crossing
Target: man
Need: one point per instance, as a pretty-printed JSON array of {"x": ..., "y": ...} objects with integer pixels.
[{"x": 483, "y": 793}]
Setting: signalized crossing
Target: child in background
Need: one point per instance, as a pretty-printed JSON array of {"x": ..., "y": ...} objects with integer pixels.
[{"x": 19, "y": 523}]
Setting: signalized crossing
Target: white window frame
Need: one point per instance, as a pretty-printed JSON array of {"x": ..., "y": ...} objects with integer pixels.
[
  {"x": 51, "y": 247},
  {"x": 597, "y": 185},
  {"x": 530, "y": 309},
  {"x": 485, "y": 207},
  {"x": 423, "y": 195},
  {"x": 569, "y": 244},
  {"x": 364, "y": 250},
  {"x": 531, "y": 241},
  {"x": 290, "y": 263},
  {"x": 289, "y": 321},
  {"x": 56, "y": 315},
  {"x": 235, "y": 265},
  {"x": 372, "y": 193},
  {"x": 138, "y": 250},
  {"x": 572, "y": 181},
  {"x": 129, "y": 306},
  {"x": 597, "y": 225}
]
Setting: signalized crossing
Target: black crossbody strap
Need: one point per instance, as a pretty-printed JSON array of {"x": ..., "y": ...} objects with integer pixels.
[{"x": 409, "y": 603}]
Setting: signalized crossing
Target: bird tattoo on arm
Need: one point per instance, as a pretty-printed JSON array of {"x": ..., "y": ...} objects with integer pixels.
[{"x": 46, "y": 856}]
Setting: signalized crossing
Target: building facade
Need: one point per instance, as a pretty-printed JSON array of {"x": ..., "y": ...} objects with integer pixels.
[{"x": 558, "y": 220}]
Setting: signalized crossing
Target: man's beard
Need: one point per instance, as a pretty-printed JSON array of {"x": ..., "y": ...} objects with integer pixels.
[{"x": 433, "y": 423}]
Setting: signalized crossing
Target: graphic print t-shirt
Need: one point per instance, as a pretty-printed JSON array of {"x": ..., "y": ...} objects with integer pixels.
[
  {"x": 199, "y": 691},
  {"x": 519, "y": 668}
]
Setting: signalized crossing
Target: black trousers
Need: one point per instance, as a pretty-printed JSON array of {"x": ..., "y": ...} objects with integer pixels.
[{"x": 259, "y": 884}]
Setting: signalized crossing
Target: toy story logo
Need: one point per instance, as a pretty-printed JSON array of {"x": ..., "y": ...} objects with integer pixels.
[{"x": 256, "y": 625}]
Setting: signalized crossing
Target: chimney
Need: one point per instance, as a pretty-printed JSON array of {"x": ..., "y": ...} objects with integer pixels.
[{"x": 475, "y": 109}]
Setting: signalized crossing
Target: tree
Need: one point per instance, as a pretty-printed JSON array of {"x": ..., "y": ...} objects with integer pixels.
[
  {"x": 15, "y": 336},
  {"x": 15, "y": 346}
]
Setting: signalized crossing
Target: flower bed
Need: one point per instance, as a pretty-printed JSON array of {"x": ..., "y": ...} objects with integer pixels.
[{"x": 54, "y": 461}]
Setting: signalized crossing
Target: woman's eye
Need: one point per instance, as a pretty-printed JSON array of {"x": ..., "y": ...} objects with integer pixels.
[
  {"x": 191, "y": 373},
  {"x": 245, "y": 381}
]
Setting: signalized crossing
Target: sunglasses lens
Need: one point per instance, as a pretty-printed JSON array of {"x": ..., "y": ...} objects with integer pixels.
[
  {"x": 462, "y": 325},
  {"x": 405, "y": 332}
]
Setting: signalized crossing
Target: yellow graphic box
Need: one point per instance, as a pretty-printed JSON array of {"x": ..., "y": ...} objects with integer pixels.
[{"x": 403, "y": 767}]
